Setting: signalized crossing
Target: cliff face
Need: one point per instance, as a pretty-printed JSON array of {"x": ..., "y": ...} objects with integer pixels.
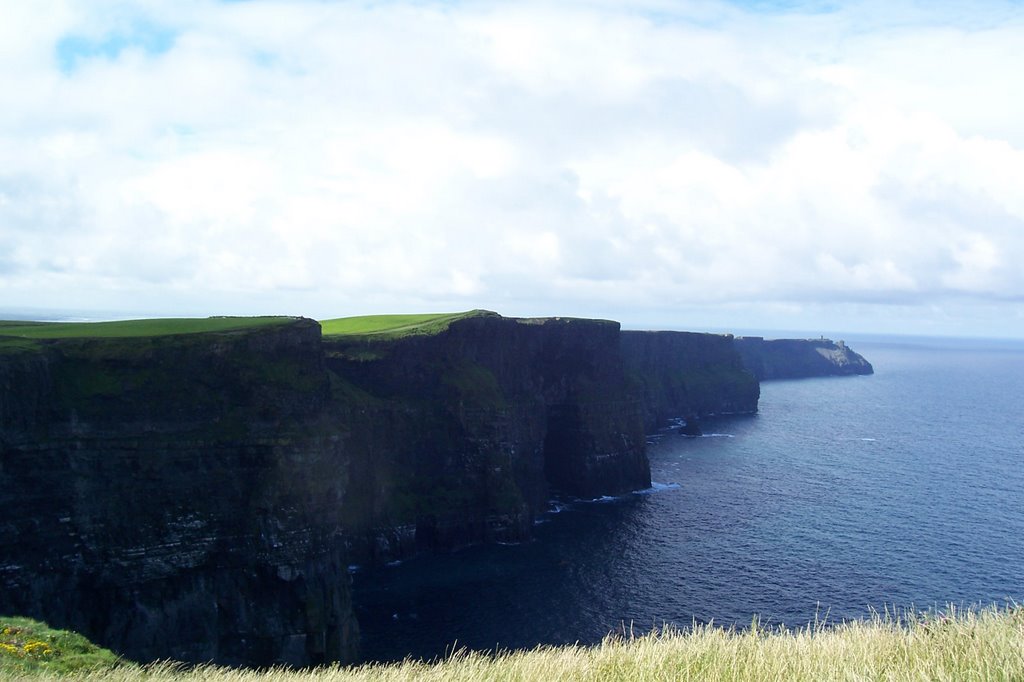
[
  {"x": 199, "y": 496},
  {"x": 484, "y": 421},
  {"x": 682, "y": 374},
  {"x": 799, "y": 358},
  {"x": 177, "y": 496}
]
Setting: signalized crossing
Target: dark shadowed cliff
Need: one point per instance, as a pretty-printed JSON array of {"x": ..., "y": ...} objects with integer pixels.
[
  {"x": 199, "y": 496},
  {"x": 483, "y": 422},
  {"x": 682, "y": 374},
  {"x": 177, "y": 496}
]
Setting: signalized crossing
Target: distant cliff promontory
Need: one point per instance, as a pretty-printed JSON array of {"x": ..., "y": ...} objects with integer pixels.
[
  {"x": 195, "y": 489},
  {"x": 799, "y": 358}
]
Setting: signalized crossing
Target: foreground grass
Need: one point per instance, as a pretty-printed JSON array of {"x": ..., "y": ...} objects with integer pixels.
[
  {"x": 971, "y": 645},
  {"x": 30, "y": 648},
  {"x": 394, "y": 326},
  {"x": 133, "y": 328}
]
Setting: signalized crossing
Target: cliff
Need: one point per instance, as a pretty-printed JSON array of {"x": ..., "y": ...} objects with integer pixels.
[
  {"x": 200, "y": 495},
  {"x": 682, "y": 374},
  {"x": 799, "y": 358},
  {"x": 483, "y": 422},
  {"x": 176, "y": 496},
  {"x": 195, "y": 489}
]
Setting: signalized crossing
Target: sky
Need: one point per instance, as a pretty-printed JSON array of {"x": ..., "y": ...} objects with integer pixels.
[{"x": 818, "y": 166}]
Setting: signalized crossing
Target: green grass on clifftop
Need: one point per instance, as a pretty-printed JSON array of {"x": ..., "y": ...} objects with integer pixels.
[
  {"x": 31, "y": 649},
  {"x": 971, "y": 645},
  {"x": 396, "y": 326},
  {"x": 134, "y": 328}
]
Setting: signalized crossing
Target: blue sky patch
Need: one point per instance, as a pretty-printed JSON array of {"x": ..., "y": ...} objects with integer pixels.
[
  {"x": 787, "y": 6},
  {"x": 74, "y": 49}
]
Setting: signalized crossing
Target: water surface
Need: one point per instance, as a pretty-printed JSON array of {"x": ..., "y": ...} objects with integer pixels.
[{"x": 903, "y": 488}]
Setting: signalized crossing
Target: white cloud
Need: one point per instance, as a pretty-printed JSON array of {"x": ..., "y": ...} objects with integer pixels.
[{"x": 636, "y": 161}]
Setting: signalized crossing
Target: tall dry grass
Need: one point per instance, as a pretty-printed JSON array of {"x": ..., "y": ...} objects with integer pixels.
[{"x": 985, "y": 644}]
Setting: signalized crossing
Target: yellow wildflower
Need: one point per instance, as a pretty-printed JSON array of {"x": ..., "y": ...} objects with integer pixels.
[{"x": 37, "y": 649}]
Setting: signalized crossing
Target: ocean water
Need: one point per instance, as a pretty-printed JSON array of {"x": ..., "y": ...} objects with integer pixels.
[{"x": 840, "y": 496}]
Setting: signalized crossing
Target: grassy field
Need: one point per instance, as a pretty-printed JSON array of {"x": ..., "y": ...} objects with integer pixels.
[
  {"x": 395, "y": 326},
  {"x": 133, "y": 328},
  {"x": 970, "y": 645}
]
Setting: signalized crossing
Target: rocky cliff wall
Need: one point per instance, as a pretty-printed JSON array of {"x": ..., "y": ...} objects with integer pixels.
[
  {"x": 200, "y": 496},
  {"x": 177, "y": 496},
  {"x": 484, "y": 422},
  {"x": 799, "y": 358},
  {"x": 684, "y": 374}
]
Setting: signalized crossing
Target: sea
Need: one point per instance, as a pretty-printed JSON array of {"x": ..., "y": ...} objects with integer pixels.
[{"x": 840, "y": 498}]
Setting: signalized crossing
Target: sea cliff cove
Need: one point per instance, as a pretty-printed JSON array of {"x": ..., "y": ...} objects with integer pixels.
[{"x": 198, "y": 489}]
